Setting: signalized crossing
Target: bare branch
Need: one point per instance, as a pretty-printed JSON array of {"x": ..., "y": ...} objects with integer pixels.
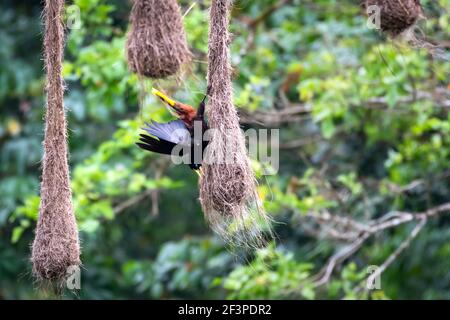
[
  {"x": 132, "y": 201},
  {"x": 366, "y": 230},
  {"x": 301, "y": 112},
  {"x": 293, "y": 113},
  {"x": 439, "y": 96},
  {"x": 405, "y": 244},
  {"x": 297, "y": 143},
  {"x": 325, "y": 274}
]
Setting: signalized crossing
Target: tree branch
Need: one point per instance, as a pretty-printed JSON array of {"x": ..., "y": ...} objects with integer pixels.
[
  {"x": 366, "y": 230},
  {"x": 325, "y": 274},
  {"x": 402, "y": 247},
  {"x": 300, "y": 112}
]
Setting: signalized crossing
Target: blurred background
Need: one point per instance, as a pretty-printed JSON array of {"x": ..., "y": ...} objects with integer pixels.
[{"x": 364, "y": 137}]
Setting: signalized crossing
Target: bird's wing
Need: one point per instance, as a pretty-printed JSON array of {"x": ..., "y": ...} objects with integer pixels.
[
  {"x": 174, "y": 131},
  {"x": 159, "y": 146}
]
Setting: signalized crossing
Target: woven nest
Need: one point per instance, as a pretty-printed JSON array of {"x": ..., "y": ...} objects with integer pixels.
[
  {"x": 56, "y": 246},
  {"x": 156, "y": 43},
  {"x": 228, "y": 191},
  {"x": 396, "y": 16}
]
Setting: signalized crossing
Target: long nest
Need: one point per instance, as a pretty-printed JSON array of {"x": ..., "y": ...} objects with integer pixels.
[
  {"x": 156, "y": 43},
  {"x": 228, "y": 188},
  {"x": 396, "y": 16},
  {"x": 56, "y": 245}
]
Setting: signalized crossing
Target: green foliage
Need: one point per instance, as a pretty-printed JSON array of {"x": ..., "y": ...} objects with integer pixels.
[
  {"x": 180, "y": 269},
  {"x": 271, "y": 275}
]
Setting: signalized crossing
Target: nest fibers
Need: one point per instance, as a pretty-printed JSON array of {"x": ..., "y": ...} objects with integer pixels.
[
  {"x": 228, "y": 191},
  {"x": 156, "y": 44},
  {"x": 56, "y": 246},
  {"x": 396, "y": 16}
]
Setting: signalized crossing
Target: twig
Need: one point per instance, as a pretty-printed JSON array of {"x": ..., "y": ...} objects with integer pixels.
[
  {"x": 405, "y": 244},
  {"x": 293, "y": 113},
  {"x": 189, "y": 9},
  {"x": 366, "y": 230},
  {"x": 438, "y": 96},
  {"x": 293, "y": 144},
  {"x": 325, "y": 274},
  {"x": 267, "y": 13},
  {"x": 301, "y": 112},
  {"x": 132, "y": 201}
]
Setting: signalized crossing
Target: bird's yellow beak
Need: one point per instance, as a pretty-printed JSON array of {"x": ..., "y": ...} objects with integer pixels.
[{"x": 163, "y": 97}]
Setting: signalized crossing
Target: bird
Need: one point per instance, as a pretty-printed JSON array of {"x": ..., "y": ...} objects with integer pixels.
[{"x": 164, "y": 137}]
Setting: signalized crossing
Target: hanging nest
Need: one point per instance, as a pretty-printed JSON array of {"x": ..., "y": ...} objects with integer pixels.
[
  {"x": 396, "y": 16},
  {"x": 56, "y": 246},
  {"x": 156, "y": 43},
  {"x": 228, "y": 191}
]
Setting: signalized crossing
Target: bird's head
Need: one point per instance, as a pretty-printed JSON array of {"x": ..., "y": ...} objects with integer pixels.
[{"x": 183, "y": 111}]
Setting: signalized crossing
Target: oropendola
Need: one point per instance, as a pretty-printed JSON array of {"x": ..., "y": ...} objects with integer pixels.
[{"x": 176, "y": 132}]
